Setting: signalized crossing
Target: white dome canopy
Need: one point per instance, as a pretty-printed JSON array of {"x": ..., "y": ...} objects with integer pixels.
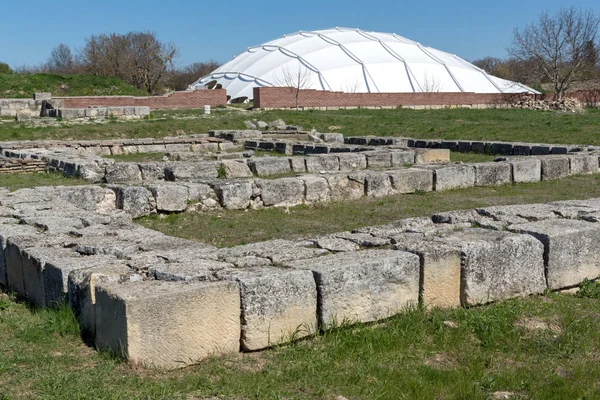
[{"x": 351, "y": 60}]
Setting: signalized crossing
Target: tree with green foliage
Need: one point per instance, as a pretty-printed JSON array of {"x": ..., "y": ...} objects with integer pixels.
[{"x": 5, "y": 68}]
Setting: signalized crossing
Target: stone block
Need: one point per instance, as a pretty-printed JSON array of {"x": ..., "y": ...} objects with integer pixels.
[
  {"x": 526, "y": 170},
  {"x": 352, "y": 161},
  {"x": 152, "y": 171},
  {"x": 425, "y": 156},
  {"x": 453, "y": 177},
  {"x": 498, "y": 265},
  {"x": 322, "y": 163},
  {"x": 170, "y": 198},
  {"x": 134, "y": 200},
  {"x": 521, "y": 149},
  {"x": 236, "y": 169},
  {"x": 449, "y": 144},
  {"x": 331, "y": 137},
  {"x": 583, "y": 165},
  {"x": 377, "y": 184},
  {"x": 492, "y": 174},
  {"x": 363, "y": 286},
  {"x": 540, "y": 150},
  {"x": 278, "y": 305},
  {"x": 316, "y": 189},
  {"x": 235, "y": 135},
  {"x": 378, "y": 159},
  {"x": 39, "y": 96},
  {"x": 555, "y": 168},
  {"x": 571, "y": 249},
  {"x": 265, "y": 166},
  {"x": 402, "y": 158},
  {"x": 281, "y": 192},
  {"x": 177, "y": 171},
  {"x": 505, "y": 149},
  {"x": 464, "y": 147},
  {"x": 142, "y": 111},
  {"x": 7, "y": 231},
  {"x": 411, "y": 180},
  {"x": 14, "y": 262},
  {"x": 345, "y": 187},
  {"x": 440, "y": 272},
  {"x": 122, "y": 172},
  {"x": 168, "y": 324},
  {"x": 234, "y": 195},
  {"x": 298, "y": 164}
]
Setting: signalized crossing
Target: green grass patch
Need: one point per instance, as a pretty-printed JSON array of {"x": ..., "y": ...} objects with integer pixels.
[
  {"x": 24, "y": 85},
  {"x": 137, "y": 157},
  {"x": 28, "y": 180},
  {"x": 536, "y": 347},
  {"x": 471, "y": 157},
  {"x": 229, "y": 227}
]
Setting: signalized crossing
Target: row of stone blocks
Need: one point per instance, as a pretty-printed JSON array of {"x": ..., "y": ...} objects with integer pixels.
[
  {"x": 167, "y": 302},
  {"x": 97, "y": 112},
  {"x": 467, "y": 146}
]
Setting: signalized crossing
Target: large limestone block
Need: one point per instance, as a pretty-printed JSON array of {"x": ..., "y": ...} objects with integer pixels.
[
  {"x": 363, "y": 286},
  {"x": 352, "y": 161},
  {"x": 322, "y": 163},
  {"x": 180, "y": 170},
  {"x": 571, "y": 249},
  {"x": 411, "y": 180},
  {"x": 316, "y": 189},
  {"x": 526, "y": 170},
  {"x": 234, "y": 195},
  {"x": 269, "y": 165},
  {"x": 82, "y": 291},
  {"x": 168, "y": 324},
  {"x": 584, "y": 164},
  {"x": 170, "y": 197},
  {"x": 277, "y": 251},
  {"x": 7, "y": 231},
  {"x": 185, "y": 269},
  {"x": 453, "y": 177},
  {"x": 555, "y": 167},
  {"x": 134, "y": 200},
  {"x": 89, "y": 197},
  {"x": 345, "y": 187},
  {"x": 492, "y": 174},
  {"x": 281, "y": 192},
  {"x": 234, "y": 135},
  {"x": 123, "y": 172},
  {"x": 236, "y": 169},
  {"x": 377, "y": 184},
  {"x": 278, "y": 305},
  {"x": 402, "y": 158},
  {"x": 440, "y": 272},
  {"x": 378, "y": 159},
  {"x": 498, "y": 265},
  {"x": 426, "y": 156}
]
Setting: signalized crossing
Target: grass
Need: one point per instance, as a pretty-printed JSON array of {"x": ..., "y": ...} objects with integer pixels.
[
  {"x": 229, "y": 227},
  {"x": 467, "y": 124},
  {"x": 137, "y": 157},
  {"x": 537, "y": 347},
  {"x": 27, "y": 180},
  {"x": 24, "y": 85},
  {"x": 471, "y": 157}
]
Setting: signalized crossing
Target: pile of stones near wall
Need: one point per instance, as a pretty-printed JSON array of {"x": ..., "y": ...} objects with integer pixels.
[{"x": 167, "y": 302}]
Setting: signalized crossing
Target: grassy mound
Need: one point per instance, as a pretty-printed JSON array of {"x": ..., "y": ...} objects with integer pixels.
[{"x": 24, "y": 85}]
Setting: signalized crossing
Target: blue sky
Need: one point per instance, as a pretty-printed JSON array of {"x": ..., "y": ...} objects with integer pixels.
[{"x": 219, "y": 30}]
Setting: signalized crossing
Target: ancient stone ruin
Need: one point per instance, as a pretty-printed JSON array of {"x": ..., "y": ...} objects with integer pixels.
[{"x": 167, "y": 302}]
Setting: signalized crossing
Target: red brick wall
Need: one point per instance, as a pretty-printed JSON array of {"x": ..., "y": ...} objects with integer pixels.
[
  {"x": 185, "y": 99},
  {"x": 281, "y": 97}
]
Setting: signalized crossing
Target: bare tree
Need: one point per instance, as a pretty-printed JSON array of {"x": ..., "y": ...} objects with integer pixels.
[
  {"x": 61, "y": 60},
  {"x": 352, "y": 86},
  {"x": 557, "y": 45},
  {"x": 181, "y": 78},
  {"x": 295, "y": 81},
  {"x": 431, "y": 84}
]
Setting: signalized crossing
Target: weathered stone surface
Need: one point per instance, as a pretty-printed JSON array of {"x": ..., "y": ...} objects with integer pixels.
[
  {"x": 152, "y": 171},
  {"x": 234, "y": 135},
  {"x": 236, "y": 169},
  {"x": 331, "y": 137},
  {"x": 363, "y": 286},
  {"x": 123, "y": 172},
  {"x": 170, "y": 198},
  {"x": 316, "y": 189},
  {"x": 278, "y": 305},
  {"x": 344, "y": 188},
  {"x": 180, "y": 170},
  {"x": 526, "y": 170},
  {"x": 377, "y": 184},
  {"x": 425, "y": 156},
  {"x": 134, "y": 200},
  {"x": 440, "y": 272},
  {"x": 584, "y": 164},
  {"x": 264, "y": 166},
  {"x": 234, "y": 195},
  {"x": 7, "y": 232},
  {"x": 277, "y": 250},
  {"x": 166, "y": 324},
  {"x": 363, "y": 239},
  {"x": 336, "y": 244},
  {"x": 411, "y": 180},
  {"x": 378, "y": 159},
  {"x": 298, "y": 164},
  {"x": 352, "y": 161},
  {"x": 91, "y": 198},
  {"x": 555, "y": 167},
  {"x": 320, "y": 163},
  {"x": 571, "y": 249},
  {"x": 452, "y": 177},
  {"x": 281, "y": 192},
  {"x": 402, "y": 158},
  {"x": 519, "y": 213},
  {"x": 492, "y": 174},
  {"x": 498, "y": 265},
  {"x": 186, "y": 269}
]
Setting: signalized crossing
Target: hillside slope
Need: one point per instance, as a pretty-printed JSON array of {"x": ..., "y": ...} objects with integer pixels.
[{"x": 24, "y": 85}]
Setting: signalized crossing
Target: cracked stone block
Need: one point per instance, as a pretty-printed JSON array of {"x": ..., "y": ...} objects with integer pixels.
[
  {"x": 342, "y": 187},
  {"x": 134, "y": 200},
  {"x": 526, "y": 170},
  {"x": 440, "y": 272},
  {"x": 234, "y": 195},
  {"x": 316, "y": 189},
  {"x": 336, "y": 244},
  {"x": 555, "y": 168},
  {"x": 278, "y": 305},
  {"x": 571, "y": 250},
  {"x": 168, "y": 324},
  {"x": 152, "y": 171},
  {"x": 236, "y": 169},
  {"x": 122, "y": 172},
  {"x": 584, "y": 164},
  {"x": 519, "y": 213},
  {"x": 378, "y": 159},
  {"x": 363, "y": 239},
  {"x": 352, "y": 161},
  {"x": 281, "y": 192},
  {"x": 269, "y": 165},
  {"x": 319, "y": 163},
  {"x": 277, "y": 250},
  {"x": 170, "y": 198},
  {"x": 187, "y": 270},
  {"x": 363, "y": 286},
  {"x": 492, "y": 174},
  {"x": 298, "y": 164},
  {"x": 377, "y": 184},
  {"x": 411, "y": 180},
  {"x": 497, "y": 265}
]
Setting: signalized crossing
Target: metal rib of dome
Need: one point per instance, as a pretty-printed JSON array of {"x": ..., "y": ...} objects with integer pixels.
[{"x": 352, "y": 60}]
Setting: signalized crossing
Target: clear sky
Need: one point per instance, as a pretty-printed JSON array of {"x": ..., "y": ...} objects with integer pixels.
[{"x": 219, "y": 30}]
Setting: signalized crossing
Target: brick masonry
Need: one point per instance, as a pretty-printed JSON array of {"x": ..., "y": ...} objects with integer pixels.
[{"x": 184, "y": 99}]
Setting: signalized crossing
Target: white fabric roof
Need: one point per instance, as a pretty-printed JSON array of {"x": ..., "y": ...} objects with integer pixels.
[{"x": 351, "y": 60}]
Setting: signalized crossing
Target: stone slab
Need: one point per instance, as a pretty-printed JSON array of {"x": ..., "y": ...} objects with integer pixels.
[
  {"x": 555, "y": 168},
  {"x": 492, "y": 174},
  {"x": 411, "y": 180},
  {"x": 526, "y": 170}
]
